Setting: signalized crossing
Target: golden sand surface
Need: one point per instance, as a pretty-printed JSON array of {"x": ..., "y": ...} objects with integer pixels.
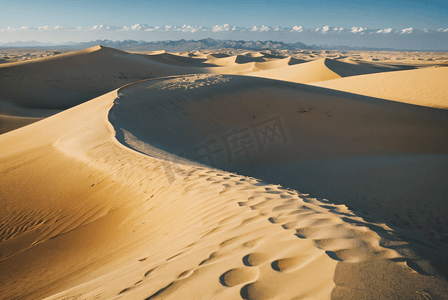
[{"x": 223, "y": 174}]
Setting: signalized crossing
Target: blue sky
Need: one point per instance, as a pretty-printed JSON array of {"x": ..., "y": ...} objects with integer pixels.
[
  {"x": 117, "y": 15},
  {"x": 284, "y": 13}
]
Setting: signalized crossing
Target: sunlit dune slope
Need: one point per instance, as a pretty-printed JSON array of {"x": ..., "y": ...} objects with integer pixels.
[
  {"x": 427, "y": 87},
  {"x": 316, "y": 70},
  {"x": 95, "y": 204}
]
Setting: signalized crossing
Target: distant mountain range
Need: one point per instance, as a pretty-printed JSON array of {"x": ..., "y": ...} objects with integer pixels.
[{"x": 184, "y": 45}]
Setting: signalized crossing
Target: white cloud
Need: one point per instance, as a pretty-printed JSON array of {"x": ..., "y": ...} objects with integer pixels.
[
  {"x": 217, "y": 28},
  {"x": 125, "y": 28},
  {"x": 137, "y": 27},
  {"x": 387, "y": 30},
  {"x": 46, "y": 27},
  {"x": 184, "y": 28},
  {"x": 357, "y": 29},
  {"x": 258, "y": 28},
  {"x": 196, "y": 28},
  {"x": 9, "y": 28},
  {"x": 87, "y": 28}
]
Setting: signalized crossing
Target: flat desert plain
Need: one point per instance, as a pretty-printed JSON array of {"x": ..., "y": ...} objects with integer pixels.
[{"x": 223, "y": 174}]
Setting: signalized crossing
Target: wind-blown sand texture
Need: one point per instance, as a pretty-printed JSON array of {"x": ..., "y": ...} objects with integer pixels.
[{"x": 218, "y": 186}]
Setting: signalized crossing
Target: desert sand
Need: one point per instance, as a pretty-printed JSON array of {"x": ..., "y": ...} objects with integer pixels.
[
  {"x": 224, "y": 175},
  {"x": 427, "y": 87}
]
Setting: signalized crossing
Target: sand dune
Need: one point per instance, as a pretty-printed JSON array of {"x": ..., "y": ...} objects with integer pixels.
[
  {"x": 427, "y": 87},
  {"x": 23, "y": 54},
  {"x": 277, "y": 63},
  {"x": 320, "y": 128},
  {"x": 51, "y": 80},
  {"x": 178, "y": 60},
  {"x": 314, "y": 71},
  {"x": 13, "y": 117},
  {"x": 10, "y": 123},
  {"x": 222, "y": 60},
  {"x": 131, "y": 196},
  {"x": 262, "y": 61},
  {"x": 65, "y": 80}
]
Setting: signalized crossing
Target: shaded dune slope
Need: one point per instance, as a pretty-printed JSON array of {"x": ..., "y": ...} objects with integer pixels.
[
  {"x": 117, "y": 223},
  {"x": 10, "y": 123},
  {"x": 319, "y": 123},
  {"x": 427, "y": 87},
  {"x": 13, "y": 116}
]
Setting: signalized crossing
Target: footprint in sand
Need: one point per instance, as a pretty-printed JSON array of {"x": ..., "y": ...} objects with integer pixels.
[
  {"x": 290, "y": 263},
  {"x": 238, "y": 276},
  {"x": 257, "y": 290},
  {"x": 255, "y": 259}
]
